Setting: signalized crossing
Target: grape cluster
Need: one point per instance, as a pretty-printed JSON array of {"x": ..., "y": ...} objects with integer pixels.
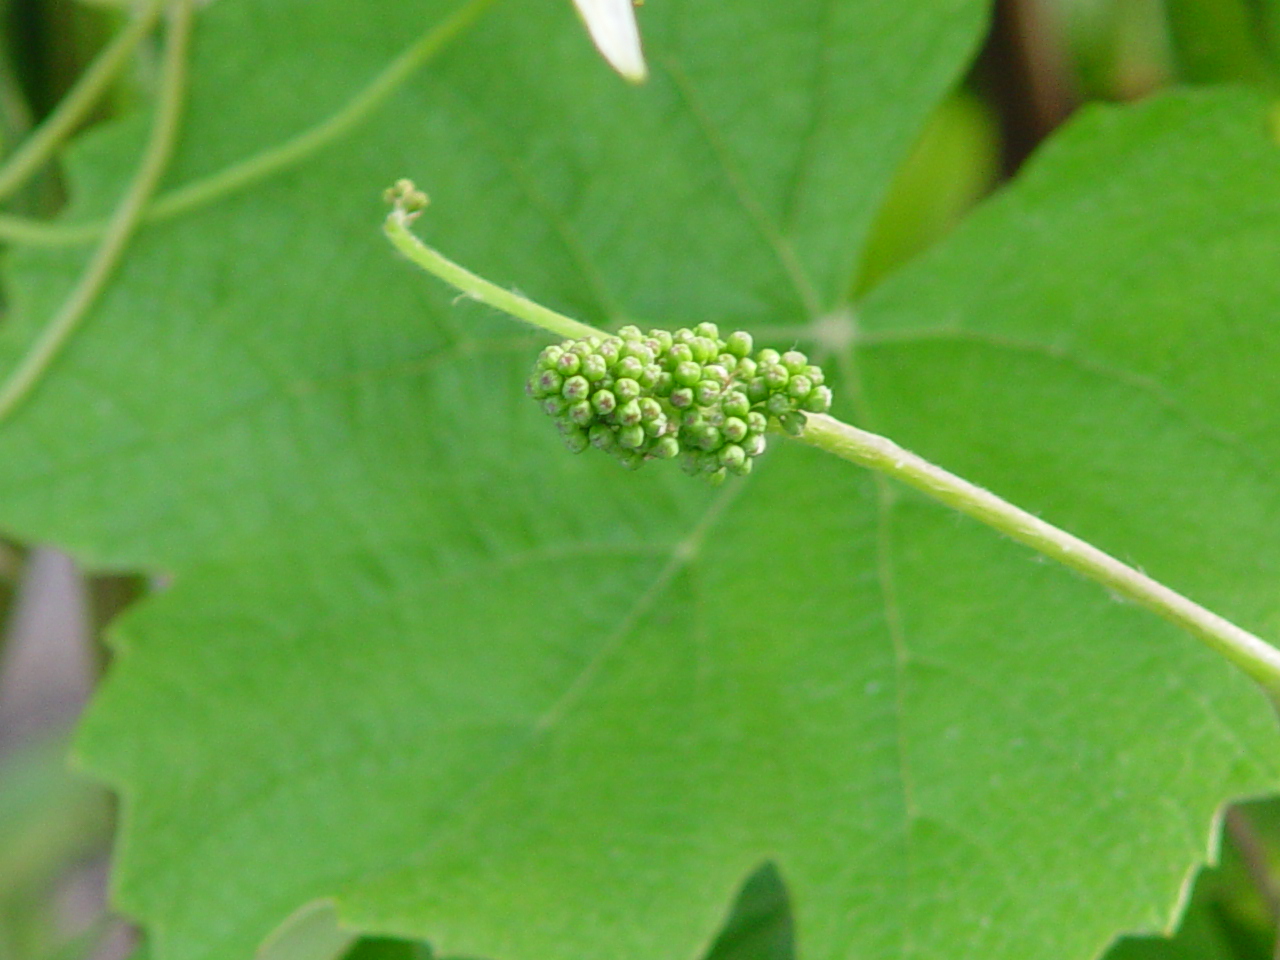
[{"x": 688, "y": 394}]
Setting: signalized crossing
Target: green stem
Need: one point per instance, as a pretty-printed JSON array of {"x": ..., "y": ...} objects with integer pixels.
[
  {"x": 123, "y": 223},
  {"x": 1257, "y": 658},
  {"x": 253, "y": 169},
  {"x": 478, "y": 288},
  {"x": 40, "y": 146},
  {"x": 1254, "y": 656}
]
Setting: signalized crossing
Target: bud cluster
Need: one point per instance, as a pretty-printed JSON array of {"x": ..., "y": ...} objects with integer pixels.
[{"x": 689, "y": 394}]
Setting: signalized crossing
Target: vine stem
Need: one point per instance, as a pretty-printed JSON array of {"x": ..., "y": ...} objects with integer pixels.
[
  {"x": 36, "y": 150},
  {"x": 239, "y": 175},
  {"x": 476, "y": 287},
  {"x": 123, "y": 223},
  {"x": 1253, "y": 655}
]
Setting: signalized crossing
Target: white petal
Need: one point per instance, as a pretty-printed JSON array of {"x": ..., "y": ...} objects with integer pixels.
[{"x": 612, "y": 24}]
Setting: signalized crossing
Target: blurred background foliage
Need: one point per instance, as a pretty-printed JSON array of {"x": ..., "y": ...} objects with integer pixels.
[{"x": 1043, "y": 60}]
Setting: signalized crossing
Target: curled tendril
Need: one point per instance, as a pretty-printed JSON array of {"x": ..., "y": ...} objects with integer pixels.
[{"x": 689, "y": 394}]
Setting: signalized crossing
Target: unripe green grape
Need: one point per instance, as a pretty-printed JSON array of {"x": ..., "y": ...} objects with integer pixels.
[
  {"x": 735, "y": 404},
  {"x": 576, "y": 440},
  {"x": 707, "y": 392},
  {"x": 767, "y": 356},
  {"x": 629, "y": 413},
  {"x": 747, "y": 369},
  {"x": 780, "y": 405},
  {"x": 794, "y": 361},
  {"x": 732, "y": 456},
  {"x": 576, "y": 388},
  {"x": 799, "y": 386},
  {"x": 650, "y": 409},
  {"x": 678, "y": 354},
  {"x": 682, "y": 398},
  {"x": 594, "y": 367},
  {"x": 602, "y": 437},
  {"x": 568, "y": 364},
  {"x": 757, "y": 422},
  {"x": 738, "y": 343},
  {"x": 734, "y": 429},
  {"x": 754, "y": 445},
  {"x": 775, "y": 376},
  {"x": 819, "y": 400},
  {"x": 713, "y": 371},
  {"x": 708, "y": 330},
  {"x": 626, "y": 389},
  {"x": 665, "y": 449},
  {"x": 628, "y": 367},
  {"x": 581, "y": 413},
  {"x": 757, "y": 390},
  {"x": 631, "y": 436},
  {"x": 792, "y": 423}
]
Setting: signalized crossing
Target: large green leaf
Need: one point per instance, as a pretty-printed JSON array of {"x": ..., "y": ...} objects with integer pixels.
[{"x": 526, "y": 706}]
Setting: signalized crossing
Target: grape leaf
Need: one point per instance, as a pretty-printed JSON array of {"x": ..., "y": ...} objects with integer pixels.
[{"x": 417, "y": 659}]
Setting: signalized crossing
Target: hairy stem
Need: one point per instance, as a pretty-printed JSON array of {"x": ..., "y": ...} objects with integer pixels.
[
  {"x": 1257, "y": 658},
  {"x": 253, "y": 169},
  {"x": 123, "y": 223},
  {"x": 70, "y": 112},
  {"x": 476, "y": 287},
  {"x": 1251, "y": 654}
]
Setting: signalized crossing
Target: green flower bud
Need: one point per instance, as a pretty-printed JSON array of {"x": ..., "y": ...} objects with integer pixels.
[
  {"x": 576, "y": 388},
  {"x": 678, "y": 354},
  {"x": 732, "y": 456},
  {"x": 792, "y": 423},
  {"x": 683, "y": 335},
  {"x": 713, "y": 371},
  {"x": 768, "y": 356},
  {"x": 638, "y": 350},
  {"x": 532, "y": 388},
  {"x": 708, "y": 437},
  {"x": 794, "y": 361},
  {"x": 626, "y": 389},
  {"x": 580, "y": 348},
  {"x": 819, "y": 400},
  {"x": 691, "y": 462},
  {"x": 576, "y": 440},
  {"x": 630, "y": 332},
  {"x": 734, "y": 429},
  {"x": 604, "y": 401},
  {"x": 664, "y": 384},
  {"x": 707, "y": 392},
  {"x": 704, "y": 350},
  {"x": 747, "y": 368},
  {"x": 735, "y": 404},
  {"x": 708, "y": 330},
  {"x": 815, "y": 375},
  {"x": 775, "y": 376},
  {"x": 799, "y": 386},
  {"x": 780, "y": 405},
  {"x": 754, "y": 445},
  {"x": 549, "y": 355},
  {"x": 743, "y": 469},
  {"x": 581, "y": 413},
  {"x": 738, "y": 343},
  {"x": 757, "y": 390},
  {"x": 610, "y": 349},
  {"x": 602, "y": 437},
  {"x": 554, "y": 406},
  {"x": 757, "y": 422},
  {"x": 549, "y": 383},
  {"x": 650, "y": 409},
  {"x": 631, "y": 437},
  {"x": 693, "y": 418},
  {"x": 728, "y": 361},
  {"x": 657, "y": 426},
  {"x": 629, "y": 413},
  {"x": 664, "y": 340},
  {"x": 651, "y": 376},
  {"x": 681, "y": 398},
  {"x": 718, "y": 477},
  {"x": 630, "y": 460},
  {"x": 628, "y": 367},
  {"x": 687, "y": 374},
  {"x": 568, "y": 364},
  {"x": 665, "y": 449},
  {"x": 594, "y": 367}
]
